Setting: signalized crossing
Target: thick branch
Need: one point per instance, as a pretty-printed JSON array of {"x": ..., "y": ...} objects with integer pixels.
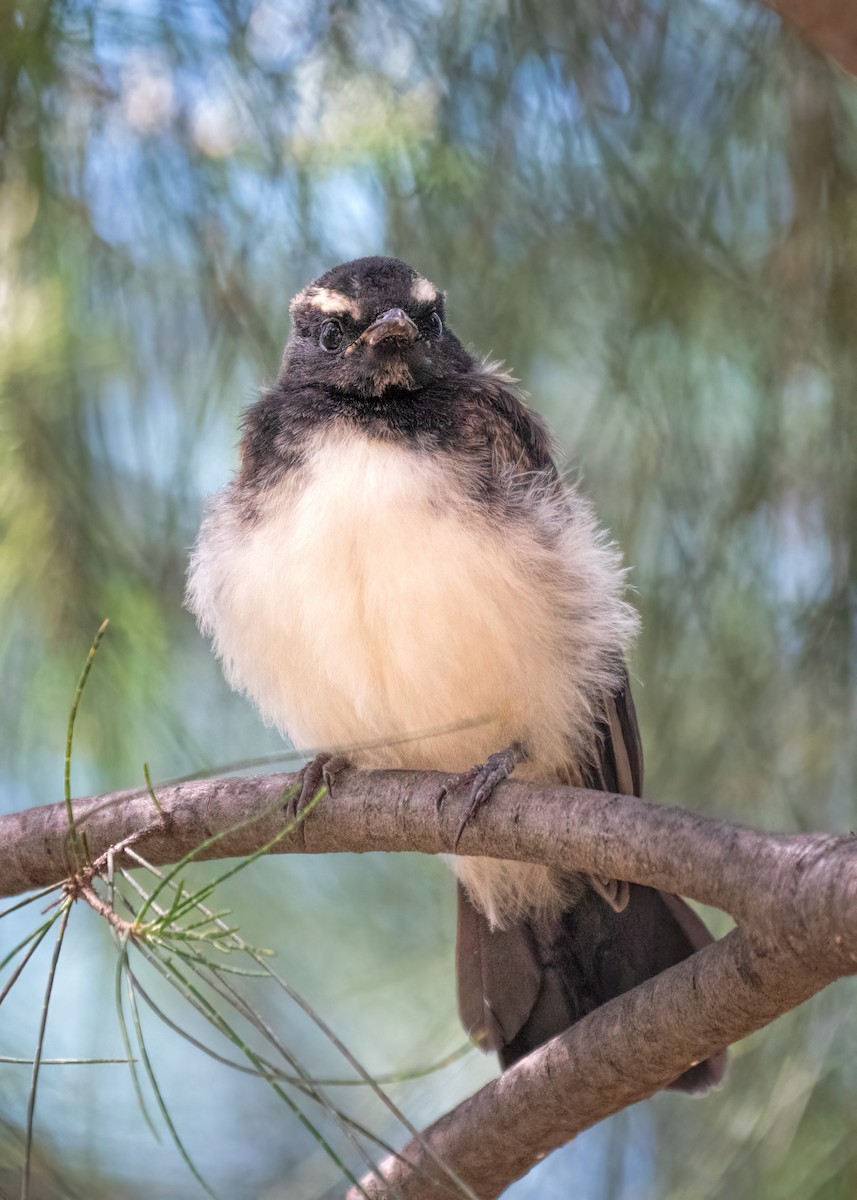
[
  {"x": 795, "y": 898},
  {"x": 621, "y": 1053},
  {"x": 802, "y": 886}
]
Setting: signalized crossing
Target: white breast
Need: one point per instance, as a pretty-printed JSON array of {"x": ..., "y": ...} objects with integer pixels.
[{"x": 372, "y": 601}]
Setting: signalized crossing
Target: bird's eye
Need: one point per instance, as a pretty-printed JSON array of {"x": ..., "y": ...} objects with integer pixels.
[
  {"x": 435, "y": 323},
  {"x": 331, "y": 336}
]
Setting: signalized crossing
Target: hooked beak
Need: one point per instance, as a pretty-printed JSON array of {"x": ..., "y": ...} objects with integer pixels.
[{"x": 395, "y": 323}]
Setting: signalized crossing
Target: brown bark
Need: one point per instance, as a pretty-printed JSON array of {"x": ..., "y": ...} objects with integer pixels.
[
  {"x": 794, "y": 897},
  {"x": 621, "y": 1053},
  {"x": 828, "y": 25}
]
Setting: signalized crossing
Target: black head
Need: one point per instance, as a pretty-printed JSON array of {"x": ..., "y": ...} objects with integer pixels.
[{"x": 372, "y": 325}]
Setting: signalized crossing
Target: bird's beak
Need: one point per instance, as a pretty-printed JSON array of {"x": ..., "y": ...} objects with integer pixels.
[{"x": 392, "y": 324}]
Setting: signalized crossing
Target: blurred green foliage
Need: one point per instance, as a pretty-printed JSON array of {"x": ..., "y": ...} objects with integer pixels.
[{"x": 650, "y": 211}]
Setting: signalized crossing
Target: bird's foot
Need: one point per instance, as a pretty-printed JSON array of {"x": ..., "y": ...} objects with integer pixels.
[
  {"x": 321, "y": 771},
  {"x": 485, "y": 777}
]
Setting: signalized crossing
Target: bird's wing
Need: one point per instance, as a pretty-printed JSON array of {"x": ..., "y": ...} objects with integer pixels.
[{"x": 619, "y": 767}]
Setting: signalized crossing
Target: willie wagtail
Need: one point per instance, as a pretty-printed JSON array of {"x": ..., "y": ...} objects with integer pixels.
[{"x": 398, "y": 563}]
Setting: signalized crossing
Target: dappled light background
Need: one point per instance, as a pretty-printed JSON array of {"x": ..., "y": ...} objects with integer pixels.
[{"x": 650, "y": 212}]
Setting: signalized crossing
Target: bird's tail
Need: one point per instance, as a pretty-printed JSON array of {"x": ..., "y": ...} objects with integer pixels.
[{"x": 520, "y": 986}]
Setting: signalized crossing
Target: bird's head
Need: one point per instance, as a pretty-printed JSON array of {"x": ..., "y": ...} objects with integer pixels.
[{"x": 371, "y": 325}]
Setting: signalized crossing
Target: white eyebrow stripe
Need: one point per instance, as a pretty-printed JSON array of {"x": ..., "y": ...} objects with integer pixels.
[
  {"x": 422, "y": 290},
  {"x": 327, "y": 300}
]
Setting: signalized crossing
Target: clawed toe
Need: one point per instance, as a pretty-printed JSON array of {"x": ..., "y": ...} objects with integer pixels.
[
  {"x": 485, "y": 778},
  {"x": 320, "y": 772}
]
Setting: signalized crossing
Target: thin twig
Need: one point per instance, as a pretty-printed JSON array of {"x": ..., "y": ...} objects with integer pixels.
[{"x": 78, "y": 692}]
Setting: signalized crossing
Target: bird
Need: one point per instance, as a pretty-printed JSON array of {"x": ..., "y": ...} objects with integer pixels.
[{"x": 398, "y": 567}]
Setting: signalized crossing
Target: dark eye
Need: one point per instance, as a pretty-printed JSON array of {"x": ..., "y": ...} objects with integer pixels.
[
  {"x": 331, "y": 336},
  {"x": 435, "y": 323}
]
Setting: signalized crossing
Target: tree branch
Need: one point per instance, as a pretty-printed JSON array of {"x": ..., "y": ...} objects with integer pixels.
[
  {"x": 621, "y": 1053},
  {"x": 828, "y": 25},
  {"x": 795, "y": 898}
]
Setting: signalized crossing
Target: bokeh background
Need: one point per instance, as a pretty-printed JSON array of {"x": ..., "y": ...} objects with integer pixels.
[{"x": 649, "y": 210}]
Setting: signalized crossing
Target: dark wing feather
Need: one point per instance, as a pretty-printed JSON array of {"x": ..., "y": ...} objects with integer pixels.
[
  {"x": 499, "y": 976},
  {"x": 520, "y": 986}
]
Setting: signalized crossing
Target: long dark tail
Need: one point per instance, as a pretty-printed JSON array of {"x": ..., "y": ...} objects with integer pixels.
[{"x": 520, "y": 986}]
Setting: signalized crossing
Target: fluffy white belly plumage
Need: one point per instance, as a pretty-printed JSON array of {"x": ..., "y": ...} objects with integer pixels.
[{"x": 371, "y": 601}]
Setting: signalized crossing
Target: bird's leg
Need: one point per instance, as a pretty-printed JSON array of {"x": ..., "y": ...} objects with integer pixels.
[
  {"x": 485, "y": 777},
  {"x": 318, "y": 772}
]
